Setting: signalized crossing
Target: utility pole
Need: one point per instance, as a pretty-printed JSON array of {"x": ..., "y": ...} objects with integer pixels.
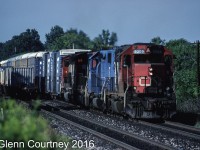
[
  {"x": 198, "y": 73},
  {"x": 198, "y": 78}
]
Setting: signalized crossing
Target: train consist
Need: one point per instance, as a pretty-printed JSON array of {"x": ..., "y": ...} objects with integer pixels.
[{"x": 134, "y": 80}]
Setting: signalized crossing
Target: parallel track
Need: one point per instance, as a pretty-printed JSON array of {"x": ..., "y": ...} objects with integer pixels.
[
  {"x": 173, "y": 128},
  {"x": 182, "y": 127}
]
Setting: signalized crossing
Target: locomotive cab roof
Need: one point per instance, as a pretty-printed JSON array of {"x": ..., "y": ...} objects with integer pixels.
[{"x": 148, "y": 45}]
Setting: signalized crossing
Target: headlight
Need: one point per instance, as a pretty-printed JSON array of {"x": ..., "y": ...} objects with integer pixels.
[{"x": 150, "y": 69}]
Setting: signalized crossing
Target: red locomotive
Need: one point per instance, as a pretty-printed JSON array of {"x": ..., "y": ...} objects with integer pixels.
[{"x": 146, "y": 78}]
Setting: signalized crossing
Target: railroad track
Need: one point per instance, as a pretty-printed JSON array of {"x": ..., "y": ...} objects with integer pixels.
[
  {"x": 176, "y": 129},
  {"x": 120, "y": 138},
  {"x": 173, "y": 128}
]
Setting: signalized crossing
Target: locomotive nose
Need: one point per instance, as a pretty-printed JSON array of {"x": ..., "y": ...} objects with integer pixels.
[{"x": 147, "y": 78}]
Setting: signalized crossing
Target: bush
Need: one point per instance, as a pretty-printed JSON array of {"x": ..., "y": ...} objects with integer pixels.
[
  {"x": 188, "y": 106},
  {"x": 18, "y": 124}
]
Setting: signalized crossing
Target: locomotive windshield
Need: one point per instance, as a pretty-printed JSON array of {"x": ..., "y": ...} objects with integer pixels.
[{"x": 148, "y": 58}]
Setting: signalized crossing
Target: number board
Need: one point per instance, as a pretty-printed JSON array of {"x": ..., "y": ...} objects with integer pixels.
[{"x": 138, "y": 51}]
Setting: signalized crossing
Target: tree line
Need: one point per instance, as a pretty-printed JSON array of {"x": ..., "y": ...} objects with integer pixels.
[
  {"x": 29, "y": 41},
  {"x": 185, "y": 75}
]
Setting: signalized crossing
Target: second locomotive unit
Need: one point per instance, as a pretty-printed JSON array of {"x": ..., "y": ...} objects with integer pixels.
[{"x": 134, "y": 80}]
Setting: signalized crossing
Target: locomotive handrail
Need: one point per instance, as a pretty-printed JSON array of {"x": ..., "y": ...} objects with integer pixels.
[
  {"x": 125, "y": 97},
  {"x": 103, "y": 87}
]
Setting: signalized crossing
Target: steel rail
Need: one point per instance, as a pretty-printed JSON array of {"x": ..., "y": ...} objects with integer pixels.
[{"x": 183, "y": 127}]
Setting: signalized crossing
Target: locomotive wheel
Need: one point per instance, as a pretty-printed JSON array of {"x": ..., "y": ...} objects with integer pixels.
[
  {"x": 97, "y": 103},
  {"x": 117, "y": 106}
]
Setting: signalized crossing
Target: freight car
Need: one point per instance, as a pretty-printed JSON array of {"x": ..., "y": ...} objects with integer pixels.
[
  {"x": 56, "y": 70},
  {"x": 22, "y": 75},
  {"x": 134, "y": 80},
  {"x": 34, "y": 74}
]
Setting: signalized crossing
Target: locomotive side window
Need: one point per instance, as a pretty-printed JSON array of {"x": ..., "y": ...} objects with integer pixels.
[
  {"x": 94, "y": 63},
  {"x": 66, "y": 63},
  {"x": 109, "y": 57},
  {"x": 127, "y": 60}
]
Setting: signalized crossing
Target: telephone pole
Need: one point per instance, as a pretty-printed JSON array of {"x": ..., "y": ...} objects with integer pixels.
[
  {"x": 198, "y": 74},
  {"x": 198, "y": 84},
  {"x": 198, "y": 78}
]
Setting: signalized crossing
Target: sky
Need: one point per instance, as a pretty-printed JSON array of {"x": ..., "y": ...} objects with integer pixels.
[{"x": 132, "y": 20}]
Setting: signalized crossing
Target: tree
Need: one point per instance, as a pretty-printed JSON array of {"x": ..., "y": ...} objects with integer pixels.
[
  {"x": 1, "y": 45},
  {"x": 52, "y": 37},
  {"x": 2, "y": 52},
  {"x": 105, "y": 40},
  {"x": 185, "y": 74},
  {"x": 157, "y": 40},
  {"x": 72, "y": 39},
  {"x": 113, "y": 39},
  {"x": 28, "y": 41}
]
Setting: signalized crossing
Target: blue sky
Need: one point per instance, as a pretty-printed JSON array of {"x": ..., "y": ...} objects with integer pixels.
[{"x": 132, "y": 20}]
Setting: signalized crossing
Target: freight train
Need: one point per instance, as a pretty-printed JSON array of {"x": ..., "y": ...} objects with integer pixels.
[{"x": 134, "y": 80}]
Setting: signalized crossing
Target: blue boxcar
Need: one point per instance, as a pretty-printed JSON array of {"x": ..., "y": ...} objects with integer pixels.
[{"x": 54, "y": 69}]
